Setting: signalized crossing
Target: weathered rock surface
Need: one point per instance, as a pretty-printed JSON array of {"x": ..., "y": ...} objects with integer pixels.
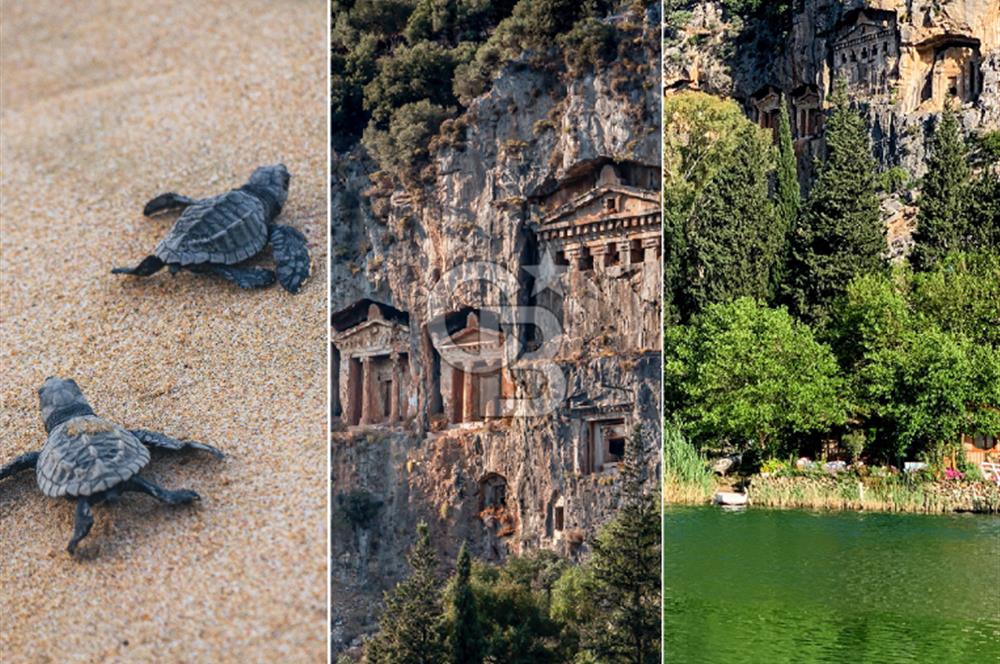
[
  {"x": 720, "y": 54},
  {"x": 902, "y": 60}
]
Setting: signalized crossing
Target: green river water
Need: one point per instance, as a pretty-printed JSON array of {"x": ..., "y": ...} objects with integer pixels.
[{"x": 774, "y": 586}]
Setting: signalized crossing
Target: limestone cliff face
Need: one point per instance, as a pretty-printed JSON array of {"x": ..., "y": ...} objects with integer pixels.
[
  {"x": 901, "y": 58},
  {"x": 503, "y": 482}
]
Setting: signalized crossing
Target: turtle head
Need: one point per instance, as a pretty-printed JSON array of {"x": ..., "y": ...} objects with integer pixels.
[
  {"x": 273, "y": 181},
  {"x": 61, "y": 400}
]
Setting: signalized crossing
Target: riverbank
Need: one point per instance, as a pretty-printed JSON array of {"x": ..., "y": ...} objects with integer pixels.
[
  {"x": 846, "y": 491},
  {"x": 883, "y": 494}
]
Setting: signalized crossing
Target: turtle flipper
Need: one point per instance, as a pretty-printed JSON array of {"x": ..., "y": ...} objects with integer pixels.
[
  {"x": 291, "y": 257},
  {"x": 149, "y": 265},
  {"x": 179, "y": 497},
  {"x": 168, "y": 201},
  {"x": 23, "y": 462},
  {"x": 244, "y": 277},
  {"x": 162, "y": 441},
  {"x": 84, "y": 520}
]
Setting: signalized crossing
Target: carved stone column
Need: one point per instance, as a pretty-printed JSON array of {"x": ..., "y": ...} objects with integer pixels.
[
  {"x": 350, "y": 408},
  {"x": 470, "y": 395},
  {"x": 403, "y": 371},
  {"x": 457, "y": 389},
  {"x": 367, "y": 391},
  {"x": 625, "y": 252},
  {"x": 649, "y": 247},
  {"x": 573, "y": 255},
  {"x": 599, "y": 252},
  {"x": 394, "y": 390}
]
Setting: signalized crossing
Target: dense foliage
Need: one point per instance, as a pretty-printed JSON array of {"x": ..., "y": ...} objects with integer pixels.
[
  {"x": 889, "y": 362},
  {"x": 923, "y": 353},
  {"x": 538, "y": 608},
  {"x": 787, "y": 196},
  {"x": 721, "y": 241},
  {"x": 625, "y": 573},
  {"x": 400, "y": 68},
  {"x": 733, "y": 240},
  {"x": 411, "y": 627},
  {"x": 748, "y": 376},
  {"x": 465, "y": 631}
]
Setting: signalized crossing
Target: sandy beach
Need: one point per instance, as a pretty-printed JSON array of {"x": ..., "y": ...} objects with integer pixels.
[{"x": 104, "y": 108}]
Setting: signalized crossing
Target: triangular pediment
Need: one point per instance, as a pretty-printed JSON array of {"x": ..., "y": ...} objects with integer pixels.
[
  {"x": 475, "y": 336},
  {"x": 374, "y": 335},
  {"x": 862, "y": 26},
  {"x": 592, "y": 203}
]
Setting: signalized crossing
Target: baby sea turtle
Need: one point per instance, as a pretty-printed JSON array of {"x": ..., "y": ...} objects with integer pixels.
[
  {"x": 91, "y": 460},
  {"x": 213, "y": 235}
]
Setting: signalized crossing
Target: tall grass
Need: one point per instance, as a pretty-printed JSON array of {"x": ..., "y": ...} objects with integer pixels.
[
  {"x": 686, "y": 476},
  {"x": 890, "y": 494}
]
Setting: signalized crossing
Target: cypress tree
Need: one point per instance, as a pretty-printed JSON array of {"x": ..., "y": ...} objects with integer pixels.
[
  {"x": 625, "y": 569},
  {"x": 984, "y": 211},
  {"x": 840, "y": 233},
  {"x": 732, "y": 240},
  {"x": 410, "y": 627},
  {"x": 788, "y": 197},
  {"x": 465, "y": 632},
  {"x": 942, "y": 220}
]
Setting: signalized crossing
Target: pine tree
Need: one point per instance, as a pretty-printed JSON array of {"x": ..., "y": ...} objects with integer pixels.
[
  {"x": 625, "y": 569},
  {"x": 788, "y": 198},
  {"x": 942, "y": 221},
  {"x": 410, "y": 628},
  {"x": 732, "y": 240},
  {"x": 465, "y": 632},
  {"x": 840, "y": 233}
]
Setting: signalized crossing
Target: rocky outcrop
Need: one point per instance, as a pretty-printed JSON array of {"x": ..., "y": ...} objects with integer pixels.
[
  {"x": 901, "y": 58},
  {"x": 506, "y": 481},
  {"x": 902, "y": 61}
]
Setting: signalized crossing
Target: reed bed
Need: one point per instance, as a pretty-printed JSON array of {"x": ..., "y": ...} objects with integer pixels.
[
  {"x": 886, "y": 494},
  {"x": 686, "y": 476}
]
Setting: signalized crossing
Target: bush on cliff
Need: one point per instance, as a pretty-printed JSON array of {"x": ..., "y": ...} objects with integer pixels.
[{"x": 389, "y": 54}]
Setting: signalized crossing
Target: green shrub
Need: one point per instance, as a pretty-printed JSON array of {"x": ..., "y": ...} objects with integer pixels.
[
  {"x": 775, "y": 466},
  {"x": 404, "y": 146},
  {"x": 750, "y": 376},
  {"x": 894, "y": 180},
  {"x": 589, "y": 42},
  {"x": 359, "y": 507},
  {"x": 410, "y": 74},
  {"x": 854, "y": 443}
]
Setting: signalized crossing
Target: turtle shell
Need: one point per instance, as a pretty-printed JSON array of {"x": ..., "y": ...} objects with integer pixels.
[
  {"x": 224, "y": 230},
  {"x": 87, "y": 455}
]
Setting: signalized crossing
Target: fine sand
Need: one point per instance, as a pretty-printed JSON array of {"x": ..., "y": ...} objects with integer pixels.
[{"x": 103, "y": 108}]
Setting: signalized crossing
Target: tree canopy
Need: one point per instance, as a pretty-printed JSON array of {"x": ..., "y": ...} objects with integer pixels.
[
  {"x": 750, "y": 376},
  {"x": 720, "y": 239}
]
